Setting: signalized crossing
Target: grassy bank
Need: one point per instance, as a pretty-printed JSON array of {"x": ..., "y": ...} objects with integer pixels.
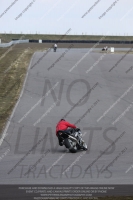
[
  {"x": 8, "y": 37},
  {"x": 13, "y": 68}
]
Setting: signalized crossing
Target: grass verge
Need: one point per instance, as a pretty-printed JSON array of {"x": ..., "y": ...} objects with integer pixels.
[
  {"x": 8, "y": 37},
  {"x": 13, "y": 68}
]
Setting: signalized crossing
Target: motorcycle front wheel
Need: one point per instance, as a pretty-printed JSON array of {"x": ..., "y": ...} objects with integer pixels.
[{"x": 85, "y": 147}]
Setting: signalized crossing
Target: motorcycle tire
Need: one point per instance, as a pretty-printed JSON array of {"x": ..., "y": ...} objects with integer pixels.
[
  {"x": 68, "y": 146},
  {"x": 85, "y": 147}
]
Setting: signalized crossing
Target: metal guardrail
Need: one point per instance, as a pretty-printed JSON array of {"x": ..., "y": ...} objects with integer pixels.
[
  {"x": 13, "y": 43},
  {"x": 16, "y": 41},
  {"x": 83, "y": 41}
]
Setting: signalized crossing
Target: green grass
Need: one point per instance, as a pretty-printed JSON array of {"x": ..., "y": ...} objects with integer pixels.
[
  {"x": 9, "y": 37},
  {"x": 13, "y": 68}
]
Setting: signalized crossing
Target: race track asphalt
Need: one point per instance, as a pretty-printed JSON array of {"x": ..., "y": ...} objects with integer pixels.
[{"x": 58, "y": 86}]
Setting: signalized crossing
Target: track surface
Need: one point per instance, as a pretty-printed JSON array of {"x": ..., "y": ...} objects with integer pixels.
[{"x": 31, "y": 120}]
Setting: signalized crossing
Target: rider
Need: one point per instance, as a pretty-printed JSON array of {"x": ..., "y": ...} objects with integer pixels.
[
  {"x": 62, "y": 126},
  {"x": 55, "y": 46}
]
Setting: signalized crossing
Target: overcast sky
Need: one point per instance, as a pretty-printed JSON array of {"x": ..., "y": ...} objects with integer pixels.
[{"x": 58, "y": 16}]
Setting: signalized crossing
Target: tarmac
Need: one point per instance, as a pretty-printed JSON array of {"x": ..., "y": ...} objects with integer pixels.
[{"x": 93, "y": 90}]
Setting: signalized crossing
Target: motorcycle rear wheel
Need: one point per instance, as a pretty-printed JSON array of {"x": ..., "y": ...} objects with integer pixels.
[{"x": 68, "y": 145}]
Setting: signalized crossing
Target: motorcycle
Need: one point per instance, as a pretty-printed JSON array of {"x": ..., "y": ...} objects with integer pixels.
[
  {"x": 74, "y": 141},
  {"x": 55, "y": 49}
]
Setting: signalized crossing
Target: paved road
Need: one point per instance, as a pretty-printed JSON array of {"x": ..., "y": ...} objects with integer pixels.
[{"x": 104, "y": 115}]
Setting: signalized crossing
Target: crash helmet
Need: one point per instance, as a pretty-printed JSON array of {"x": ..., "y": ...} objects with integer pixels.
[{"x": 62, "y": 120}]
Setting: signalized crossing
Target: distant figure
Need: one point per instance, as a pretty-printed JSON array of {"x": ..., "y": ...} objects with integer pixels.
[
  {"x": 105, "y": 48},
  {"x": 55, "y": 47}
]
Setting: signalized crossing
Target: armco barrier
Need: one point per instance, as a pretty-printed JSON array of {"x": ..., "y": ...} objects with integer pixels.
[
  {"x": 16, "y": 41},
  {"x": 13, "y": 43},
  {"x": 87, "y": 41}
]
